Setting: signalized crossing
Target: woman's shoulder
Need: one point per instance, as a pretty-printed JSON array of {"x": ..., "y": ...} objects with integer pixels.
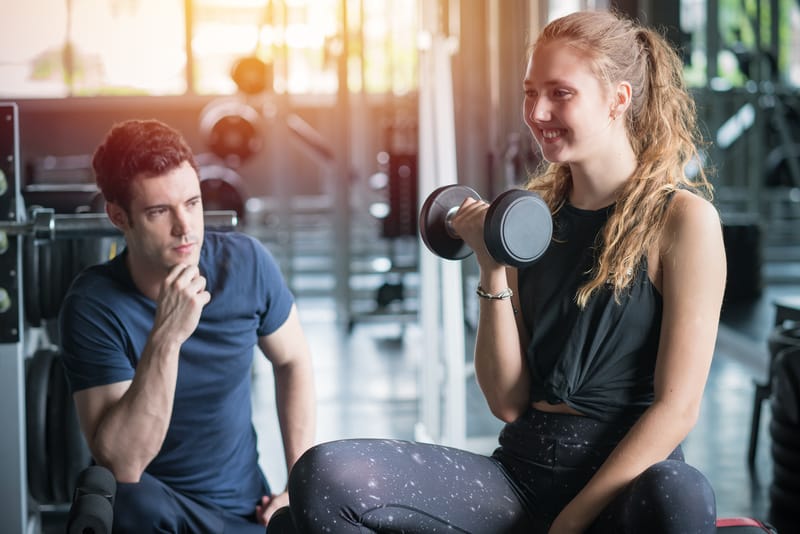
[
  {"x": 689, "y": 208},
  {"x": 690, "y": 216}
]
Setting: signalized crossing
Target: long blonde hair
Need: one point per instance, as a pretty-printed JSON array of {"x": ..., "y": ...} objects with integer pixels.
[{"x": 662, "y": 129}]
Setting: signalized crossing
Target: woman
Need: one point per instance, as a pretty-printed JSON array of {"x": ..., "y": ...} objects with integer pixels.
[{"x": 597, "y": 355}]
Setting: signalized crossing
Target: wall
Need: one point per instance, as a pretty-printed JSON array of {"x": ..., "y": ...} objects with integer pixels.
[{"x": 75, "y": 126}]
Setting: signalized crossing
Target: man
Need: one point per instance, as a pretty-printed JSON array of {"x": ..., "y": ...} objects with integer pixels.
[{"x": 158, "y": 345}]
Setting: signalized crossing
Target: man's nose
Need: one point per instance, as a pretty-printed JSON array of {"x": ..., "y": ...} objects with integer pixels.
[{"x": 180, "y": 222}]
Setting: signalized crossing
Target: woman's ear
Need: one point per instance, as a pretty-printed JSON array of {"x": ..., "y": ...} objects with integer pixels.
[
  {"x": 622, "y": 99},
  {"x": 117, "y": 215}
]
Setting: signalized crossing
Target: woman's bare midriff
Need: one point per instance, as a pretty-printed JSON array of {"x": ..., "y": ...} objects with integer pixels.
[{"x": 544, "y": 406}]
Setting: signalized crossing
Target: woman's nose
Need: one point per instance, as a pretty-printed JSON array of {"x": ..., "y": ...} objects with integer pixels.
[{"x": 540, "y": 111}]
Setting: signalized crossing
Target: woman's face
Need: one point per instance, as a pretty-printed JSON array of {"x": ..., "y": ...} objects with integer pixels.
[{"x": 566, "y": 108}]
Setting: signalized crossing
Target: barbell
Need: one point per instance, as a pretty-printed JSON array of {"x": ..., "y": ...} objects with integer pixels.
[
  {"x": 517, "y": 228},
  {"x": 58, "y": 246},
  {"x": 45, "y": 224}
]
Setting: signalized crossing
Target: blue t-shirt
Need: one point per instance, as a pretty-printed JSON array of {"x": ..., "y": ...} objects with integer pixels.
[{"x": 210, "y": 448}]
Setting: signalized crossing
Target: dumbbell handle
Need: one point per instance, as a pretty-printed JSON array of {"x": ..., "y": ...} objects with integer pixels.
[{"x": 448, "y": 223}]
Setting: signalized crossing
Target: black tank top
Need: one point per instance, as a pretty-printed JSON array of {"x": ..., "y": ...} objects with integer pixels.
[{"x": 599, "y": 360}]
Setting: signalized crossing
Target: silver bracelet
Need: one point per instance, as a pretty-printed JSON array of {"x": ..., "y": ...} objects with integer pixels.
[{"x": 502, "y": 295}]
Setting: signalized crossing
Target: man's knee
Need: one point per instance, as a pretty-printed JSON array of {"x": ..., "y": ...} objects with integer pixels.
[{"x": 146, "y": 500}]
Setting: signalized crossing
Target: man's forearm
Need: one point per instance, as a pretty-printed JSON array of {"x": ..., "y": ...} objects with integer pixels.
[
  {"x": 296, "y": 402},
  {"x": 130, "y": 434}
]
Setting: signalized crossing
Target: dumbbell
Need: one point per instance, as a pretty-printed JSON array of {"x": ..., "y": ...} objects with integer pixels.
[
  {"x": 92, "y": 509},
  {"x": 517, "y": 229}
]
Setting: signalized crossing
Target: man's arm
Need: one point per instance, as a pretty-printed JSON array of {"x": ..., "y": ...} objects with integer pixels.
[
  {"x": 125, "y": 423},
  {"x": 288, "y": 351}
]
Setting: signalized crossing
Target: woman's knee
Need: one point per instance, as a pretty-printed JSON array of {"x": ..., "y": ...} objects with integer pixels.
[
  {"x": 334, "y": 464},
  {"x": 314, "y": 462},
  {"x": 675, "y": 495},
  {"x": 674, "y": 480},
  {"x": 316, "y": 469}
]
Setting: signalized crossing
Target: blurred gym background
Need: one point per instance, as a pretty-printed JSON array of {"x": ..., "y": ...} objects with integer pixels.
[{"x": 323, "y": 124}]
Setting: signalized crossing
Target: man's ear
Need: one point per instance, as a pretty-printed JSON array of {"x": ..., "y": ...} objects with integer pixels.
[{"x": 117, "y": 215}]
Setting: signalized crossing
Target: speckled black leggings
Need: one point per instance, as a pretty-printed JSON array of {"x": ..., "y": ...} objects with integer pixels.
[{"x": 388, "y": 486}]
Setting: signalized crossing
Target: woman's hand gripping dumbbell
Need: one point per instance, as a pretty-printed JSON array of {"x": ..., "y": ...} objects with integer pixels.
[{"x": 516, "y": 229}]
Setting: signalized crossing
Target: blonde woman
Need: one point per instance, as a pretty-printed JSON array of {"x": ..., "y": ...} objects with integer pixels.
[{"x": 598, "y": 355}]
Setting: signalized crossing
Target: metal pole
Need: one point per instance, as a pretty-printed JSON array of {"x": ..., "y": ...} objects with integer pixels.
[
  {"x": 342, "y": 191},
  {"x": 441, "y": 301},
  {"x": 13, "y": 459},
  {"x": 428, "y": 426},
  {"x": 188, "y": 25}
]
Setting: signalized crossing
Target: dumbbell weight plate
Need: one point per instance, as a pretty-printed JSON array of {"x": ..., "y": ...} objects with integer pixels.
[
  {"x": 786, "y": 458},
  {"x": 69, "y": 454},
  {"x": 47, "y": 272},
  {"x": 783, "y": 336},
  {"x": 222, "y": 188},
  {"x": 786, "y": 479},
  {"x": 781, "y": 498},
  {"x": 56, "y": 430},
  {"x": 785, "y": 434},
  {"x": 37, "y": 387},
  {"x": 433, "y": 225},
  {"x": 785, "y": 388},
  {"x": 30, "y": 268},
  {"x": 518, "y": 227}
]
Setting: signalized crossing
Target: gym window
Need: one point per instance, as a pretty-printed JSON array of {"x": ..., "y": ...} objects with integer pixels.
[
  {"x": 746, "y": 46},
  {"x": 86, "y": 48}
]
